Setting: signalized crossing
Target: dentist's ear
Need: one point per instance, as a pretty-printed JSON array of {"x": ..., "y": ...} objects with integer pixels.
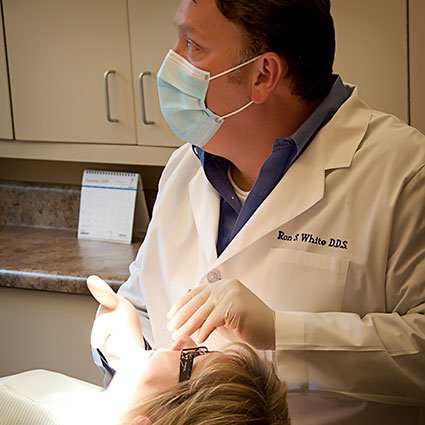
[{"x": 269, "y": 70}]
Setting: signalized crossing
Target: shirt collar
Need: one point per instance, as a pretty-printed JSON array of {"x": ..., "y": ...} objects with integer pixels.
[{"x": 322, "y": 114}]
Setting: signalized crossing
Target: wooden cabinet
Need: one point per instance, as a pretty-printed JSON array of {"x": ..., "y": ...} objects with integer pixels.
[
  {"x": 417, "y": 63},
  {"x": 60, "y": 53},
  {"x": 6, "y": 129},
  {"x": 152, "y": 34},
  {"x": 372, "y": 51}
]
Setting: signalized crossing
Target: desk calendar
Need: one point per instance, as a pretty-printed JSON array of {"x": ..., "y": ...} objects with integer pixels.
[{"x": 107, "y": 206}]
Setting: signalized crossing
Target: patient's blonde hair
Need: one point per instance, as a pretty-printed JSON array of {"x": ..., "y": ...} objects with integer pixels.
[{"x": 235, "y": 387}]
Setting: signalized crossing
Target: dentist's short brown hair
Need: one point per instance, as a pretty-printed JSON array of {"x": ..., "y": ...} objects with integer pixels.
[{"x": 301, "y": 32}]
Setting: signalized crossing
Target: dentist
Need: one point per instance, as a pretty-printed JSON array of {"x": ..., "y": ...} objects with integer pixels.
[{"x": 293, "y": 219}]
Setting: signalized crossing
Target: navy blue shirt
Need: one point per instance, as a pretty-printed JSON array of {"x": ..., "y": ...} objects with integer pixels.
[{"x": 234, "y": 215}]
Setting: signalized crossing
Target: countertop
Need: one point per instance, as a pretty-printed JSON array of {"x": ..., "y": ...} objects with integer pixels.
[{"x": 55, "y": 260}]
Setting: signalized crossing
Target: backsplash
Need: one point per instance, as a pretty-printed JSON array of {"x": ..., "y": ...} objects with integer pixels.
[
  {"x": 39, "y": 205},
  {"x": 43, "y": 205}
]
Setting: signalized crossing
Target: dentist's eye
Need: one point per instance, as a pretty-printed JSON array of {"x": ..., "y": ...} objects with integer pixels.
[{"x": 191, "y": 46}]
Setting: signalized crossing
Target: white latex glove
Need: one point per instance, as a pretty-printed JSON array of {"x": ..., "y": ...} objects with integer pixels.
[
  {"x": 228, "y": 306},
  {"x": 116, "y": 329}
]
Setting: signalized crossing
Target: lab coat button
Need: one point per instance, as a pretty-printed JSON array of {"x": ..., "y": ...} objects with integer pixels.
[{"x": 213, "y": 276}]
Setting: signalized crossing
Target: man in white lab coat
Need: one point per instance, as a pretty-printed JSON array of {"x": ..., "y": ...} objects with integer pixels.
[{"x": 295, "y": 222}]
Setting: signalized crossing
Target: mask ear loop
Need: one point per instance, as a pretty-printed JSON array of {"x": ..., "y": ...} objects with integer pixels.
[
  {"x": 234, "y": 112},
  {"x": 220, "y": 119},
  {"x": 234, "y": 68}
]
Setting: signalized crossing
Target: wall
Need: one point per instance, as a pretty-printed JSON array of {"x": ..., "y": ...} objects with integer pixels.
[
  {"x": 417, "y": 62},
  {"x": 46, "y": 330},
  {"x": 371, "y": 51}
]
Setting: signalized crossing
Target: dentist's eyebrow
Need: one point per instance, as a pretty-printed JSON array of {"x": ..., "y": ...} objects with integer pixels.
[
  {"x": 187, "y": 29},
  {"x": 183, "y": 25}
]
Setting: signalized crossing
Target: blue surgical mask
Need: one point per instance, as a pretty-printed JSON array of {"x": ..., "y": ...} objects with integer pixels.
[{"x": 182, "y": 90}]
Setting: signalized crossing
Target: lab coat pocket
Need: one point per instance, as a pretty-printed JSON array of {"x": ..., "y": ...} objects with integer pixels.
[{"x": 305, "y": 281}]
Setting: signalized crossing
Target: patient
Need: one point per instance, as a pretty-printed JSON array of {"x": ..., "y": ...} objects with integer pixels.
[
  {"x": 233, "y": 387},
  {"x": 186, "y": 384}
]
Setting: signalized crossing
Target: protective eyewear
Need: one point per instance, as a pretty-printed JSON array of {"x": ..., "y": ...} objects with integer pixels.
[{"x": 187, "y": 356}]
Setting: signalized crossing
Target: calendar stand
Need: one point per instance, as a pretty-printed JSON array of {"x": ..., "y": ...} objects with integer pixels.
[{"x": 108, "y": 204}]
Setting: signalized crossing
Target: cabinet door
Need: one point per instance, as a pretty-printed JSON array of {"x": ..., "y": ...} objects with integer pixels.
[
  {"x": 152, "y": 35},
  {"x": 417, "y": 63},
  {"x": 371, "y": 51},
  {"x": 58, "y": 53},
  {"x": 6, "y": 131}
]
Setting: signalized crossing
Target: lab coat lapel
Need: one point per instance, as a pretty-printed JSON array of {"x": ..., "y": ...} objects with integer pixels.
[
  {"x": 304, "y": 183},
  {"x": 282, "y": 205},
  {"x": 205, "y": 205}
]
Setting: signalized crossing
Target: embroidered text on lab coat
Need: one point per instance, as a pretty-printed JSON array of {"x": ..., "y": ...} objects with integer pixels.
[{"x": 312, "y": 239}]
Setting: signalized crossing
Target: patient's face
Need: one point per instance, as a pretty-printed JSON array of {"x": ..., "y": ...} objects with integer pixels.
[{"x": 145, "y": 373}]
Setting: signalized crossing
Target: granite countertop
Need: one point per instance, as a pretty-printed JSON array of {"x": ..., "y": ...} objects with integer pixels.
[{"x": 55, "y": 260}]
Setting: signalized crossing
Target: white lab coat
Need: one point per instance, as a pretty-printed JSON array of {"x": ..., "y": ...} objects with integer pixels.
[{"x": 337, "y": 250}]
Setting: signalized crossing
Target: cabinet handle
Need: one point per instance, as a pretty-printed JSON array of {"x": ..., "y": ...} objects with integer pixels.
[
  {"x": 106, "y": 81},
  {"x": 142, "y": 98}
]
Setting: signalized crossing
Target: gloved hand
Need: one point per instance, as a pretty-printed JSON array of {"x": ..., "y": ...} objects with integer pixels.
[
  {"x": 183, "y": 341},
  {"x": 116, "y": 329},
  {"x": 228, "y": 306}
]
